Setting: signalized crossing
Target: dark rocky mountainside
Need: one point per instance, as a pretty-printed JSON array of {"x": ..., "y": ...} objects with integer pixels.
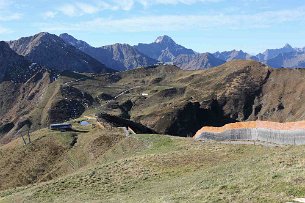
[
  {"x": 117, "y": 56},
  {"x": 197, "y": 61},
  {"x": 163, "y": 49},
  {"x": 14, "y": 67},
  {"x": 51, "y": 51}
]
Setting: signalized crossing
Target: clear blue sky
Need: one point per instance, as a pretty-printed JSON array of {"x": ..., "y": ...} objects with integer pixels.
[{"x": 203, "y": 25}]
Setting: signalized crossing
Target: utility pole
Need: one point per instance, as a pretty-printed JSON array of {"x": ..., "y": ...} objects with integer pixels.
[
  {"x": 23, "y": 139},
  {"x": 29, "y": 136}
]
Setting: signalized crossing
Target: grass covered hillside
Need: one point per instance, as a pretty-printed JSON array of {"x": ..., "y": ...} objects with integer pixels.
[
  {"x": 157, "y": 168},
  {"x": 53, "y": 154}
]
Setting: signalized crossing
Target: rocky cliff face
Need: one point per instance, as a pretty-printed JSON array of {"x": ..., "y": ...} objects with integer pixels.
[
  {"x": 52, "y": 52},
  {"x": 117, "y": 56}
]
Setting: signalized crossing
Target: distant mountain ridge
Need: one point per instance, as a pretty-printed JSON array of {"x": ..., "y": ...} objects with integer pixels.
[
  {"x": 272, "y": 53},
  {"x": 116, "y": 56},
  {"x": 165, "y": 49},
  {"x": 54, "y": 53},
  {"x": 197, "y": 61},
  {"x": 288, "y": 60},
  {"x": 234, "y": 55},
  {"x": 64, "y": 52}
]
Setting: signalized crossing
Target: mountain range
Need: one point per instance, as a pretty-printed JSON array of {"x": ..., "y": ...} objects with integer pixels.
[
  {"x": 66, "y": 53},
  {"x": 164, "y": 49},
  {"x": 197, "y": 61}
]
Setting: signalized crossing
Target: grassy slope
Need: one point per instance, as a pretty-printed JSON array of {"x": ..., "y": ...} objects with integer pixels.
[
  {"x": 52, "y": 155},
  {"x": 154, "y": 168}
]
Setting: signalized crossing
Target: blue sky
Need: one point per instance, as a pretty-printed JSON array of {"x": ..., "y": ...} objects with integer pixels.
[{"x": 203, "y": 25}]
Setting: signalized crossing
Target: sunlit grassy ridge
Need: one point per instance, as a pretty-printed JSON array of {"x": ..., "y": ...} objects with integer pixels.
[{"x": 156, "y": 168}]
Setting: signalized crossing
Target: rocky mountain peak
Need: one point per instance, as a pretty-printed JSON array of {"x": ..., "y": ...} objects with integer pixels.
[
  {"x": 73, "y": 41},
  {"x": 42, "y": 34},
  {"x": 45, "y": 36},
  {"x": 68, "y": 38},
  {"x": 164, "y": 40},
  {"x": 287, "y": 46}
]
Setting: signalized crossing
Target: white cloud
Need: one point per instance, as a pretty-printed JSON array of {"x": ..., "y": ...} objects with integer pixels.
[
  {"x": 173, "y": 2},
  {"x": 182, "y": 22},
  {"x": 7, "y": 13},
  {"x": 69, "y": 9},
  {"x": 5, "y": 3},
  {"x": 4, "y": 30},
  {"x": 10, "y": 17},
  {"x": 125, "y": 5},
  {"x": 86, "y": 8},
  {"x": 49, "y": 14},
  {"x": 81, "y": 8}
]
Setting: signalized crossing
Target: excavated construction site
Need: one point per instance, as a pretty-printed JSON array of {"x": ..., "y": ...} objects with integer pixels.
[{"x": 290, "y": 133}]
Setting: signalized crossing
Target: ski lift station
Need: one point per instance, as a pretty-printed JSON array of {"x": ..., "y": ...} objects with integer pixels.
[{"x": 61, "y": 126}]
